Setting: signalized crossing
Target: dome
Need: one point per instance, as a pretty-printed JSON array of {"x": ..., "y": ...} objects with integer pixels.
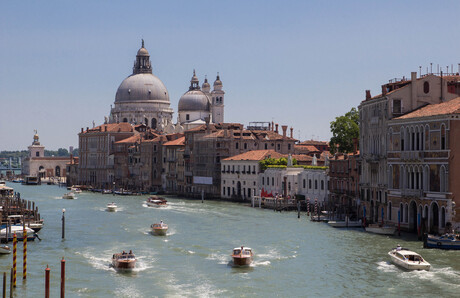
[
  {"x": 218, "y": 82},
  {"x": 140, "y": 88},
  {"x": 194, "y": 100},
  {"x": 205, "y": 85},
  {"x": 143, "y": 52}
]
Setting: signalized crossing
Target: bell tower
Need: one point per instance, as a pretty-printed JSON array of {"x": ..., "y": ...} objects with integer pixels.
[{"x": 217, "y": 96}]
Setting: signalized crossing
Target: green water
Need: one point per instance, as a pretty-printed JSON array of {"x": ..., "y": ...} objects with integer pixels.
[{"x": 293, "y": 257}]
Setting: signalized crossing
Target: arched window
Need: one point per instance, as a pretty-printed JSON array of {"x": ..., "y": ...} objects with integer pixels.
[
  {"x": 389, "y": 211},
  {"x": 304, "y": 184},
  {"x": 426, "y": 87},
  {"x": 443, "y": 217},
  {"x": 125, "y": 119},
  {"x": 57, "y": 171},
  {"x": 406, "y": 211},
  {"x": 322, "y": 184},
  {"x": 401, "y": 212},
  {"x": 146, "y": 121},
  {"x": 154, "y": 123}
]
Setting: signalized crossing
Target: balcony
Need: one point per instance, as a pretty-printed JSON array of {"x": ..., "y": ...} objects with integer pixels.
[
  {"x": 412, "y": 155},
  {"x": 412, "y": 193}
]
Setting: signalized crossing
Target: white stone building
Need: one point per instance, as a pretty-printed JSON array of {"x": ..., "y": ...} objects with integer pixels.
[
  {"x": 279, "y": 181},
  {"x": 313, "y": 184},
  {"x": 239, "y": 178}
]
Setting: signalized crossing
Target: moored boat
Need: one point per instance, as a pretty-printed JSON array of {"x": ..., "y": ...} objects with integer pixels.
[
  {"x": 5, "y": 249},
  {"x": 159, "y": 229},
  {"x": 69, "y": 195},
  {"x": 381, "y": 229},
  {"x": 124, "y": 261},
  {"x": 75, "y": 189},
  {"x": 242, "y": 256},
  {"x": 155, "y": 201},
  {"x": 112, "y": 207},
  {"x": 446, "y": 241},
  {"x": 19, "y": 230},
  {"x": 345, "y": 223},
  {"x": 408, "y": 259}
]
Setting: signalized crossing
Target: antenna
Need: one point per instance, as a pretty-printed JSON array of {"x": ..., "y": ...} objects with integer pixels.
[
  {"x": 420, "y": 71},
  {"x": 431, "y": 67}
]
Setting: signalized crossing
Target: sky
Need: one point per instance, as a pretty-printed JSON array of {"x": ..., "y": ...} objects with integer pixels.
[{"x": 297, "y": 63}]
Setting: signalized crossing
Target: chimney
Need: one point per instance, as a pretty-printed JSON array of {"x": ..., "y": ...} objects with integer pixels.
[
  {"x": 105, "y": 128},
  {"x": 273, "y": 126},
  {"x": 292, "y": 129},
  {"x": 284, "y": 127},
  {"x": 82, "y": 129},
  {"x": 355, "y": 146},
  {"x": 368, "y": 94},
  {"x": 384, "y": 90},
  {"x": 413, "y": 88},
  {"x": 276, "y": 127}
]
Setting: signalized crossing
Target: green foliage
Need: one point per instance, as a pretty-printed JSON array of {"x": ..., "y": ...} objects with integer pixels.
[
  {"x": 13, "y": 154},
  {"x": 296, "y": 166},
  {"x": 273, "y": 162},
  {"x": 344, "y": 129}
]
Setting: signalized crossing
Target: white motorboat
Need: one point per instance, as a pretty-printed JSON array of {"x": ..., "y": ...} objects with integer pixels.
[
  {"x": 5, "y": 249},
  {"x": 19, "y": 230},
  {"x": 446, "y": 241},
  {"x": 69, "y": 195},
  {"x": 112, "y": 207},
  {"x": 345, "y": 223},
  {"x": 408, "y": 259},
  {"x": 155, "y": 201},
  {"x": 75, "y": 189},
  {"x": 381, "y": 229}
]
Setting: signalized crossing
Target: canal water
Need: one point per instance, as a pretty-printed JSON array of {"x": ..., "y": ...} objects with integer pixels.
[{"x": 293, "y": 257}]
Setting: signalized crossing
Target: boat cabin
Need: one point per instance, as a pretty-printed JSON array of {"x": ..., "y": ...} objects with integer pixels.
[{"x": 246, "y": 251}]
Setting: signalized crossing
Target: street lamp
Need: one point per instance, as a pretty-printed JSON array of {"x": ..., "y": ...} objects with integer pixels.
[
  {"x": 63, "y": 223},
  {"x": 113, "y": 189}
]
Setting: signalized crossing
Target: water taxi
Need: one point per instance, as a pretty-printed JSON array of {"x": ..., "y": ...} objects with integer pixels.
[
  {"x": 124, "y": 261},
  {"x": 381, "y": 229},
  {"x": 155, "y": 201},
  {"x": 111, "y": 207},
  {"x": 408, "y": 259},
  {"x": 69, "y": 195},
  {"x": 242, "y": 256},
  {"x": 5, "y": 249},
  {"x": 159, "y": 229},
  {"x": 446, "y": 241}
]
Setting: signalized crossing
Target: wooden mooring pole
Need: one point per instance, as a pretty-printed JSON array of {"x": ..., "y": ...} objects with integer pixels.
[
  {"x": 47, "y": 282},
  {"x": 11, "y": 283},
  {"x": 62, "y": 278},
  {"x": 4, "y": 284}
]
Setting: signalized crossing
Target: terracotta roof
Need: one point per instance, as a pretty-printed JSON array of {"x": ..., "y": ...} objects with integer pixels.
[
  {"x": 112, "y": 127},
  {"x": 307, "y": 148},
  {"x": 313, "y": 143},
  {"x": 176, "y": 142},
  {"x": 256, "y": 155},
  {"x": 445, "y": 108},
  {"x": 130, "y": 140}
]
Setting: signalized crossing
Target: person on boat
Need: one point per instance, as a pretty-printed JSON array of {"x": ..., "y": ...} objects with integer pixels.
[
  {"x": 130, "y": 252},
  {"x": 398, "y": 248},
  {"x": 161, "y": 223},
  {"x": 123, "y": 253}
]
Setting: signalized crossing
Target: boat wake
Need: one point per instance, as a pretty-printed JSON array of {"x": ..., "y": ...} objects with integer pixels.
[
  {"x": 220, "y": 258},
  {"x": 386, "y": 266}
]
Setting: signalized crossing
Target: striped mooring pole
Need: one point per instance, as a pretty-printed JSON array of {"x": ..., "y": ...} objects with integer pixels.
[
  {"x": 24, "y": 257},
  {"x": 316, "y": 206},
  {"x": 15, "y": 246},
  {"x": 308, "y": 207}
]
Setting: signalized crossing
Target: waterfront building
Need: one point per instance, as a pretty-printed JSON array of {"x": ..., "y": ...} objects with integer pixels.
[
  {"x": 399, "y": 96},
  {"x": 72, "y": 171},
  {"x": 199, "y": 105},
  {"x": 142, "y": 97},
  {"x": 313, "y": 184},
  {"x": 344, "y": 173},
  {"x": 98, "y": 152},
  {"x": 240, "y": 173},
  {"x": 423, "y": 170},
  {"x": 174, "y": 170},
  {"x": 281, "y": 181},
  {"x": 207, "y": 145},
  {"x": 38, "y": 165}
]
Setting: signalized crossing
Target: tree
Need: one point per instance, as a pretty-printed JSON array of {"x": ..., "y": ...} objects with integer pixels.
[{"x": 344, "y": 129}]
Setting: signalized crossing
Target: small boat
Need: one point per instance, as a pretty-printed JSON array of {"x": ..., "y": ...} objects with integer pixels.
[
  {"x": 242, "y": 256},
  {"x": 381, "y": 229},
  {"x": 69, "y": 195},
  {"x": 36, "y": 226},
  {"x": 345, "y": 223},
  {"x": 106, "y": 191},
  {"x": 75, "y": 189},
  {"x": 112, "y": 207},
  {"x": 159, "y": 229},
  {"x": 19, "y": 230},
  {"x": 155, "y": 201},
  {"x": 5, "y": 249},
  {"x": 124, "y": 261},
  {"x": 408, "y": 259},
  {"x": 446, "y": 241}
]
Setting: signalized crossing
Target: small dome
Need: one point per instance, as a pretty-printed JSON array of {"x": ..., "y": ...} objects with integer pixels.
[
  {"x": 205, "y": 85},
  {"x": 142, "y": 87},
  {"x": 194, "y": 78},
  {"x": 143, "y": 52},
  {"x": 194, "y": 100}
]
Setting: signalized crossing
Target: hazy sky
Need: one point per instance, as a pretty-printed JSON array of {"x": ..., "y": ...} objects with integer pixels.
[{"x": 300, "y": 63}]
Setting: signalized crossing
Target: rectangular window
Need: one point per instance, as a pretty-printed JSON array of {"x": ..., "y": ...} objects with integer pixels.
[{"x": 397, "y": 106}]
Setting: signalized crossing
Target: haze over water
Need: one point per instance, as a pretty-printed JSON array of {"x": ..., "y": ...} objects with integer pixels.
[{"x": 293, "y": 257}]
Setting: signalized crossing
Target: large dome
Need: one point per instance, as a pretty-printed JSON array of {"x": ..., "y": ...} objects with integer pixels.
[
  {"x": 142, "y": 87},
  {"x": 194, "y": 100}
]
